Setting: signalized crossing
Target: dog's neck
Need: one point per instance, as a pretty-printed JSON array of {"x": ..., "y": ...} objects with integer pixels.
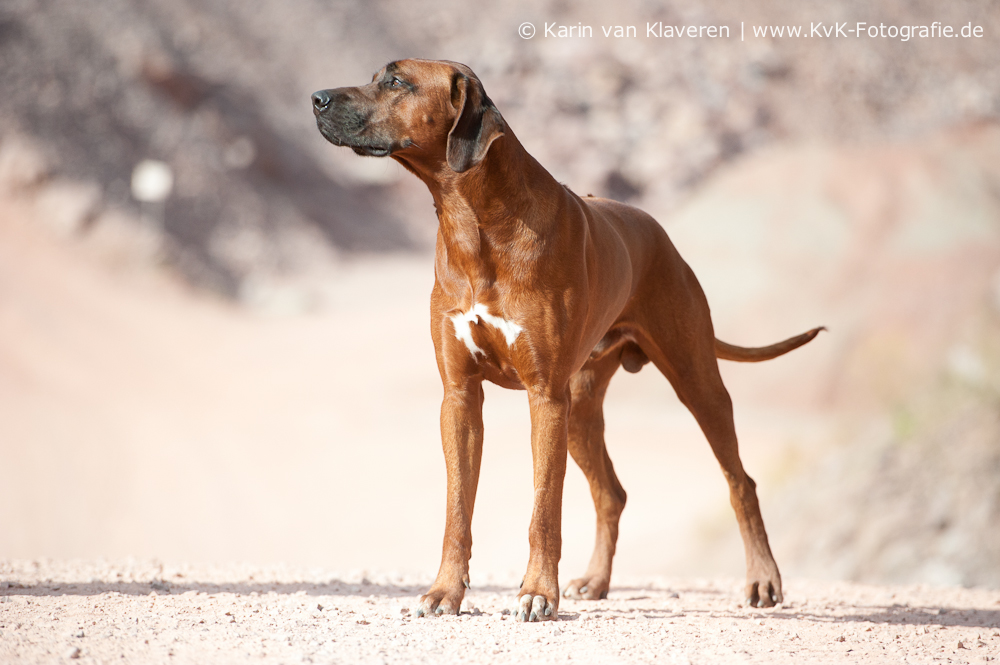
[{"x": 494, "y": 206}]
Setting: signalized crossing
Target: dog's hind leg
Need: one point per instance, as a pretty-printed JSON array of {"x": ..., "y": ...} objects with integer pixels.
[
  {"x": 678, "y": 337},
  {"x": 586, "y": 445}
]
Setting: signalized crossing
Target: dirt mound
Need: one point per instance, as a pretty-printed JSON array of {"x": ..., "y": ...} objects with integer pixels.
[
  {"x": 219, "y": 91},
  {"x": 99, "y": 87},
  {"x": 901, "y": 509},
  {"x": 897, "y": 249}
]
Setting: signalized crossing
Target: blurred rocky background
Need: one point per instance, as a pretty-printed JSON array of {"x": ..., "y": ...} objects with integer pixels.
[{"x": 852, "y": 182}]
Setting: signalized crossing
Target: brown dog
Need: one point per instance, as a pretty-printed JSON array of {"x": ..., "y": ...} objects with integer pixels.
[{"x": 540, "y": 290}]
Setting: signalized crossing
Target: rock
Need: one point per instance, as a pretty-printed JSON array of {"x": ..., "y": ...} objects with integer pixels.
[
  {"x": 22, "y": 164},
  {"x": 67, "y": 206},
  {"x": 469, "y": 608},
  {"x": 72, "y": 653},
  {"x": 121, "y": 239}
]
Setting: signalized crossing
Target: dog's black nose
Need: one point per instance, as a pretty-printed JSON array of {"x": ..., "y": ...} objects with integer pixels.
[{"x": 321, "y": 100}]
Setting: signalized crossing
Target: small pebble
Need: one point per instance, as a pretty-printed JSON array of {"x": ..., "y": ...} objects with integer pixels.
[
  {"x": 73, "y": 652},
  {"x": 469, "y": 608}
]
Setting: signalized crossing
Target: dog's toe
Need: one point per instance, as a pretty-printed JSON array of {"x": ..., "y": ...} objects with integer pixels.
[
  {"x": 535, "y": 608},
  {"x": 587, "y": 588},
  {"x": 435, "y": 603},
  {"x": 763, "y": 594}
]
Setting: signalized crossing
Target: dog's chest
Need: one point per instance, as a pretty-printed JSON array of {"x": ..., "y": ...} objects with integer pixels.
[{"x": 482, "y": 331}]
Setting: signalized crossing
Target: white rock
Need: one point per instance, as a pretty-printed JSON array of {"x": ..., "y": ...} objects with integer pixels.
[{"x": 152, "y": 181}]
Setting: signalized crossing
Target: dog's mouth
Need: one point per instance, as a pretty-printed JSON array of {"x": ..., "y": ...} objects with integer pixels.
[
  {"x": 371, "y": 151},
  {"x": 361, "y": 145}
]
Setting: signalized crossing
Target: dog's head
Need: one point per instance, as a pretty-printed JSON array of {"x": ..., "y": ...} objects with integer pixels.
[{"x": 419, "y": 111}]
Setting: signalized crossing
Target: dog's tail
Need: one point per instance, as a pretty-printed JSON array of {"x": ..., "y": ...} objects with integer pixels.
[{"x": 743, "y": 354}]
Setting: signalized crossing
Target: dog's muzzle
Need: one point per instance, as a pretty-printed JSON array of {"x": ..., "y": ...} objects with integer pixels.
[{"x": 342, "y": 123}]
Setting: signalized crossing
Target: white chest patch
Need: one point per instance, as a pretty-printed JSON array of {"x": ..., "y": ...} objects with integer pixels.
[{"x": 463, "y": 321}]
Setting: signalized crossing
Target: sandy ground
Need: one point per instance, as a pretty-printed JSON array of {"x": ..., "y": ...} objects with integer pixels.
[{"x": 146, "y": 612}]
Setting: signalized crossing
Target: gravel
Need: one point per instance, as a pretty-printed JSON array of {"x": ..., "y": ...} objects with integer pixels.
[{"x": 146, "y": 611}]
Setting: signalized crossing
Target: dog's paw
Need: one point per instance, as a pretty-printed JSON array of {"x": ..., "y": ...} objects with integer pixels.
[
  {"x": 536, "y": 608},
  {"x": 439, "y": 601},
  {"x": 763, "y": 593},
  {"x": 587, "y": 588}
]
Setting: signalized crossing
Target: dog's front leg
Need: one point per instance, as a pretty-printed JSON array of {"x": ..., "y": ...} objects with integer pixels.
[
  {"x": 538, "y": 599},
  {"x": 462, "y": 438}
]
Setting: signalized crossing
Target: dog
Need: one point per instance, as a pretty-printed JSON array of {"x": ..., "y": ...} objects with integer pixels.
[{"x": 541, "y": 290}]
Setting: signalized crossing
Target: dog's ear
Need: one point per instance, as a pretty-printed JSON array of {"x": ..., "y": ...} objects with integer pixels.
[{"x": 477, "y": 123}]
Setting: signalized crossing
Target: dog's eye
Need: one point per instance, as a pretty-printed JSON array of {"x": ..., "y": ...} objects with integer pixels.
[{"x": 395, "y": 82}]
